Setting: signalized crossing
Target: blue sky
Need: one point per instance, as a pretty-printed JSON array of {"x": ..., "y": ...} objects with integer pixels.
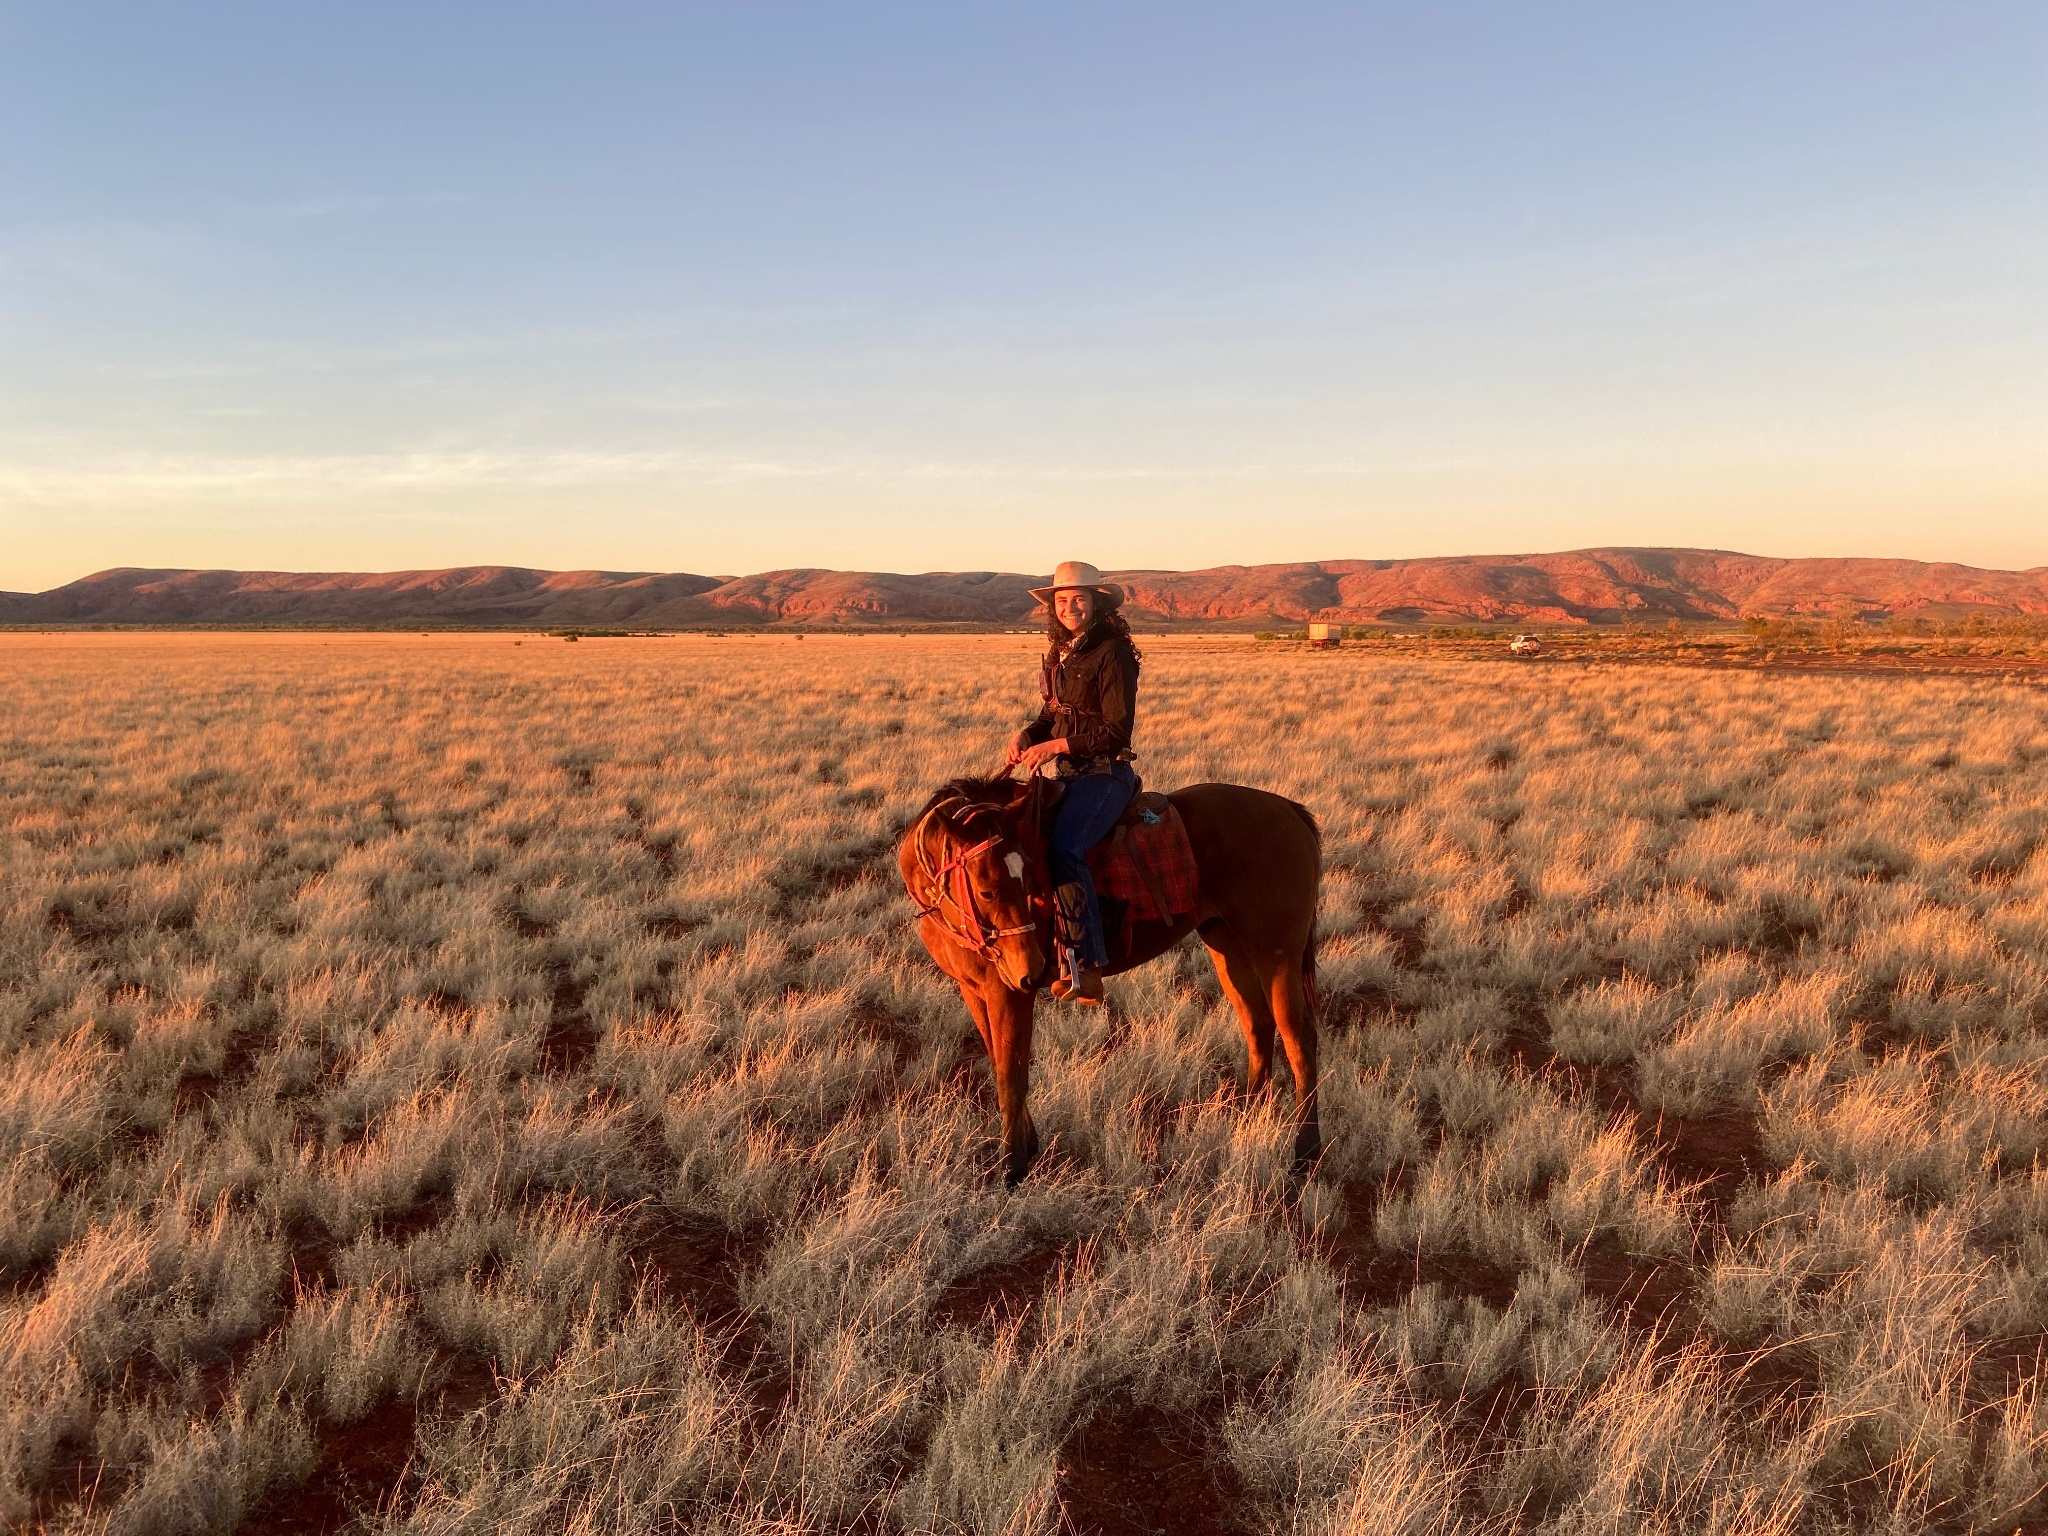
[{"x": 731, "y": 287}]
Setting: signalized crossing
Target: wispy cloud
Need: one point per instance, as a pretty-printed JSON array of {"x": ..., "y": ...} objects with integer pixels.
[
  {"x": 329, "y": 205},
  {"x": 130, "y": 480},
  {"x": 117, "y": 255},
  {"x": 182, "y": 477}
]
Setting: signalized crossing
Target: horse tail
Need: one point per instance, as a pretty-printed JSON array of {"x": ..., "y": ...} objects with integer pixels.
[
  {"x": 1308, "y": 952},
  {"x": 1308, "y": 976},
  {"x": 1308, "y": 818}
]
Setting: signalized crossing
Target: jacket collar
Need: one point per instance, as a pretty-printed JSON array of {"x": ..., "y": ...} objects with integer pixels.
[{"x": 1086, "y": 641}]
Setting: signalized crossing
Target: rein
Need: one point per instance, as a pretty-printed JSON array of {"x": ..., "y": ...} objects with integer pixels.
[{"x": 954, "y": 910}]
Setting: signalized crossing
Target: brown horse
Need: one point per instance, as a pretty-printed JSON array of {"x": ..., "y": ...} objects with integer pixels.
[{"x": 973, "y": 862}]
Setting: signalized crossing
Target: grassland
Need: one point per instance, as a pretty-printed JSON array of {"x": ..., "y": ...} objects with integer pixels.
[
  {"x": 464, "y": 1085},
  {"x": 2013, "y": 647}
]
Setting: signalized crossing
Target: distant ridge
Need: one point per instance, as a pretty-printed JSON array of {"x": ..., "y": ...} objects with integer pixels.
[{"x": 1586, "y": 586}]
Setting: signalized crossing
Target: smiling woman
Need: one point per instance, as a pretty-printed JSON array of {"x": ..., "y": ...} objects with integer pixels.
[{"x": 1088, "y": 709}]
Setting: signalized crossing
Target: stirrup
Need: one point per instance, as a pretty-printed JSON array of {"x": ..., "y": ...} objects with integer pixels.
[
  {"x": 1077, "y": 983},
  {"x": 1086, "y": 988}
]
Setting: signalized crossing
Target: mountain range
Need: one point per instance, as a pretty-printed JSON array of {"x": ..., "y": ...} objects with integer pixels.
[{"x": 1587, "y": 586}]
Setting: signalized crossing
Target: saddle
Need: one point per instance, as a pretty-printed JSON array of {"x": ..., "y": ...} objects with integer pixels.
[{"x": 1146, "y": 863}]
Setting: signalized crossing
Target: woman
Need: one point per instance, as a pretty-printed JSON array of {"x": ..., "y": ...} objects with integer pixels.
[{"x": 1082, "y": 736}]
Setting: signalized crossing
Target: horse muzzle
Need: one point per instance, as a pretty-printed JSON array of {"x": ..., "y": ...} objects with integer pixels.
[{"x": 1033, "y": 974}]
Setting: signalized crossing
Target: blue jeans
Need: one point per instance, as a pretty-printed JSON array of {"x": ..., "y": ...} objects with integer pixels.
[{"x": 1087, "y": 812}]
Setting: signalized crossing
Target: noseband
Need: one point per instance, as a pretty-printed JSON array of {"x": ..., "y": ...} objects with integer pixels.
[{"x": 952, "y": 904}]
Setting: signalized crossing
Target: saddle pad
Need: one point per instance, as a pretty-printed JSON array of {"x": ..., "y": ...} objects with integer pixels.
[{"x": 1149, "y": 866}]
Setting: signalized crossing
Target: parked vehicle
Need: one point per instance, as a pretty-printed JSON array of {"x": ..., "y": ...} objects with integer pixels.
[{"x": 1526, "y": 645}]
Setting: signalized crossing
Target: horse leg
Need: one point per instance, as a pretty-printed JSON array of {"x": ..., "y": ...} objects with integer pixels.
[
  {"x": 1246, "y": 989},
  {"x": 1298, "y": 1033},
  {"x": 1009, "y": 1037},
  {"x": 978, "y": 1011}
]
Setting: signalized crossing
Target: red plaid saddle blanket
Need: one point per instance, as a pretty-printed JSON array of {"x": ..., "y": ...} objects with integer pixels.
[{"x": 1147, "y": 863}]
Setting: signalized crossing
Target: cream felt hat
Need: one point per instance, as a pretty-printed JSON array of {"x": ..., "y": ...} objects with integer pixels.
[{"x": 1079, "y": 573}]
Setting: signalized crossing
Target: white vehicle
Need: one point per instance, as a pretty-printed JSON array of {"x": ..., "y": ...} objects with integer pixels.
[{"x": 1526, "y": 645}]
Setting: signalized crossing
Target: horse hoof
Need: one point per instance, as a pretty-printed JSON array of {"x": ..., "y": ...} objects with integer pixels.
[
  {"x": 1019, "y": 1161},
  {"x": 1308, "y": 1148}
]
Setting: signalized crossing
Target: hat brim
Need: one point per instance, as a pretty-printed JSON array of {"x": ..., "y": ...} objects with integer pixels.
[{"x": 1108, "y": 590}]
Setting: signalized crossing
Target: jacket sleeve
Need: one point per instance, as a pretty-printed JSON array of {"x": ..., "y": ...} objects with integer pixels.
[{"x": 1116, "y": 704}]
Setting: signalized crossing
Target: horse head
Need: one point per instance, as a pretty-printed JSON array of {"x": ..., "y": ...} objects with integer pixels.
[{"x": 969, "y": 863}]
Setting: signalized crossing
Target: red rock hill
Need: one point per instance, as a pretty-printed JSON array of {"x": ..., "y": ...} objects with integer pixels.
[{"x": 1587, "y": 586}]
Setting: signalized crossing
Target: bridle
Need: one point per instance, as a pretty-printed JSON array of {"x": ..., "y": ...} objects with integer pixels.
[{"x": 952, "y": 906}]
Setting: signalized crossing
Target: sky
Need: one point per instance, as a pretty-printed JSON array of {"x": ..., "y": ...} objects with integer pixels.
[{"x": 743, "y": 286}]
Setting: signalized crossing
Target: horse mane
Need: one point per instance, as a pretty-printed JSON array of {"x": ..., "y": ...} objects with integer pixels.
[{"x": 969, "y": 794}]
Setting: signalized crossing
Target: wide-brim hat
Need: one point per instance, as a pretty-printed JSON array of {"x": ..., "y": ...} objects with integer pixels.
[{"x": 1079, "y": 575}]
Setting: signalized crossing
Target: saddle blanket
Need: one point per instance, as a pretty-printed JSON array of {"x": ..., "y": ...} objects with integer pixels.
[{"x": 1147, "y": 863}]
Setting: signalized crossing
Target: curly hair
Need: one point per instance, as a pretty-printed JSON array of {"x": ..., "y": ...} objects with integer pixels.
[{"x": 1109, "y": 620}]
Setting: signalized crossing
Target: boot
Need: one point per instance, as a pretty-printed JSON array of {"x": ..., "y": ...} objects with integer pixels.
[{"x": 1078, "y": 982}]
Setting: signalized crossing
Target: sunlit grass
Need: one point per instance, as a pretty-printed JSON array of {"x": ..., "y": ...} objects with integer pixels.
[{"x": 496, "y": 1086}]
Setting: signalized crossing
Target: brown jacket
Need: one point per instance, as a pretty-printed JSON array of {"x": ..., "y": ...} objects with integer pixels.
[{"x": 1090, "y": 695}]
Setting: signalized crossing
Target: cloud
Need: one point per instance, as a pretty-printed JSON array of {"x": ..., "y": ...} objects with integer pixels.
[
  {"x": 132, "y": 477},
  {"x": 344, "y": 204},
  {"x": 116, "y": 256}
]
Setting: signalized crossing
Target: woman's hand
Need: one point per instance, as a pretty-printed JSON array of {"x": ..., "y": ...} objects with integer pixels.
[
  {"x": 1033, "y": 758},
  {"x": 1018, "y": 747}
]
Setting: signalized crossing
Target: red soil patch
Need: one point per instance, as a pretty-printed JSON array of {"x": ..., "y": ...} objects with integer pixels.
[
  {"x": 529, "y": 927},
  {"x": 1409, "y": 944},
  {"x": 361, "y": 1466},
  {"x": 870, "y": 1020},
  {"x": 78, "y": 1479},
  {"x": 1715, "y": 1152},
  {"x": 1135, "y": 1470},
  {"x": 81, "y": 921},
  {"x": 1490, "y": 1420},
  {"x": 667, "y": 925},
  {"x": 1000, "y": 1294},
  {"x": 1386, "y": 1279},
  {"x": 1377, "y": 1278},
  {"x": 238, "y": 1065},
  {"x": 697, "y": 1265},
  {"x": 2004, "y": 1364},
  {"x": 1648, "y": 1292},
  {"x": 570, "y": 1036}
]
